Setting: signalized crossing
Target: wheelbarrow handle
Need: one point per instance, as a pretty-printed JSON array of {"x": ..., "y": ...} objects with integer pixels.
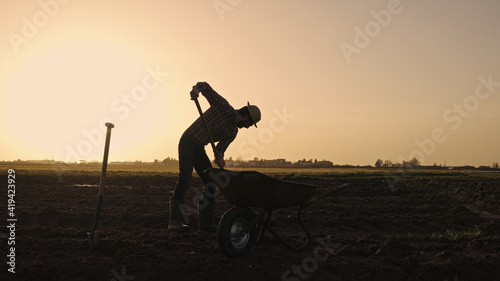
[
  {"x": 202, "y": 116},
  {"x": 326, "y": 194}
]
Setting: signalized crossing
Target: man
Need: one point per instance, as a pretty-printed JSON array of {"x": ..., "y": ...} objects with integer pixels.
[{"x": 223, "y": 122}]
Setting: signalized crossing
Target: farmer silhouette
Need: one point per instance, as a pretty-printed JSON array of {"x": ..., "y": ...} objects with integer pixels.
[{"x": 223, "y": 122}]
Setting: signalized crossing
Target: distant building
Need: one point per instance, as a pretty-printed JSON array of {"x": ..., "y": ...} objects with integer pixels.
[
  {"x": 253, "y": 163},
  {"x": 305, "y": 163},
  {"x": 324, "y": 164}
]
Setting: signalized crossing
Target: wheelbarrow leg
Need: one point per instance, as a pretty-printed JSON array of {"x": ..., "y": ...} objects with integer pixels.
[
  {"x": 286, "y": 242},
  {"x": 259, "y": 222},
  {"x": 263, "y": 224}
]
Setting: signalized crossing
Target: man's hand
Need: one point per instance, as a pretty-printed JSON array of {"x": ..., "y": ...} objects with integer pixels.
[
  {"x": 219, "y": 159},
  {"x": 195, "y": 93},
  {"x": 220, "y": 162}
]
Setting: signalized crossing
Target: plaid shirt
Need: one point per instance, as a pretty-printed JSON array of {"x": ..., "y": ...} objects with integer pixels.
[{"x": 219, "y": 118}]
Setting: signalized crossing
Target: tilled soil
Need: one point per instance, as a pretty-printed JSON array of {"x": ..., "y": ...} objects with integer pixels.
[{"x": 424, "y": 228}]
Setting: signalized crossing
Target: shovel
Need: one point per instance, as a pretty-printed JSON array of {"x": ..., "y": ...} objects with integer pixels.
[
  {"x": 93, "y": 237},
  {"x": 206, "y": 127}
]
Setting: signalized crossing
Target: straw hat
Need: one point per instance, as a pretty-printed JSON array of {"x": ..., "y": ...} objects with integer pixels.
[{"x": 254, "y": 113}]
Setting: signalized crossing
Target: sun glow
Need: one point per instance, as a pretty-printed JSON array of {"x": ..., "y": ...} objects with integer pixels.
[{"x": 62, "y": 95}]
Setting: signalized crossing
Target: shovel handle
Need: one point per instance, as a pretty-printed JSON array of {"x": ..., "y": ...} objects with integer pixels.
[
  {"x": 102, "y": 182},
  {"x": 206, "y": 125},
  {"x": 93, "y": 239}
]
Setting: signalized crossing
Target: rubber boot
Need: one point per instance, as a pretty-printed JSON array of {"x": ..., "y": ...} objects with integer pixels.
[
  {"x": 205, "y": 215},
  {"x": 176, "y": 216}
]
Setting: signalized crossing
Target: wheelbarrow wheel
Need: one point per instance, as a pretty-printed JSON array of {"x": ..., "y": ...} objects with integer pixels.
[{"x": 233, "y": 240}]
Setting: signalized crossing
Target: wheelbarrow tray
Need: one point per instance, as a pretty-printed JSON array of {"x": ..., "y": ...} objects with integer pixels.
[{"x": 254, "y": 189}]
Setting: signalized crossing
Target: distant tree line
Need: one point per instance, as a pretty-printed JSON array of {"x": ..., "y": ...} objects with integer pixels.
[
  {"x": 415, "y": 163},
  {"x": 281, "y": 162},
  {"x": 389, "y": 164},
  {"x": 256, "y": 162}
]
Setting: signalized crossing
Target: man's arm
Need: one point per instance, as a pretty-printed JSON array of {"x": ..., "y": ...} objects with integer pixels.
[
  {"x": 213, "y": 98},
  {"x": 221, "y": 149},
  {"x": 223, "y": 144}
]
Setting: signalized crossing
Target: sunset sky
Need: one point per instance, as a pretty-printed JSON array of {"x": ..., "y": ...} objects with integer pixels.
[{"x": 345, "y": 81}]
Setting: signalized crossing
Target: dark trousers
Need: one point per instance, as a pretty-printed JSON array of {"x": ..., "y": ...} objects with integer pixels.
[{"x": 191, "y": 154}]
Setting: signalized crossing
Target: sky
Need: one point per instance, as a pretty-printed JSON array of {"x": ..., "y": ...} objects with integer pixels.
[{"x": 345, "y": 81}]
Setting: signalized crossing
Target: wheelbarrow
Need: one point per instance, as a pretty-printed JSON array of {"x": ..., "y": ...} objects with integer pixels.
[{"x": 240, "y": 227}]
